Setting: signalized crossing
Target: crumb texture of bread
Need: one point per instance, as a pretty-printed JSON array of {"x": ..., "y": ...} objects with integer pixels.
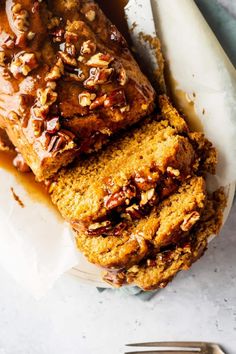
[
  {"x": 67, "y": 81},
  {"x": 143, "y": 193}
]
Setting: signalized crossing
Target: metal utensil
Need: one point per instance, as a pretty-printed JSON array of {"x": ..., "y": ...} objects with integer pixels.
[{"x": 177, "y": 347}]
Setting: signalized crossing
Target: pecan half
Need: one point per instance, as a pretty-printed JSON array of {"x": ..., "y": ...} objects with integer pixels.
[
  {"x": 134, "y": 211},
  {"x": 88, "y": 47},
  {"x": 56, "y": 72},
  {"x": 115, "y": 98},
  {"x": 90, "y": 15},
  {"x": 20, "y": 17},
  {"x": 189, "y": 221},
  {"x": 98, "y": 102},
  {"x": 86, "y": 98},
  {"x": 99, "y": 228},
  {"x": 100, "y": 60},
  {"x": 67, "y": 59},
  {"x": 147, "y": 196}
]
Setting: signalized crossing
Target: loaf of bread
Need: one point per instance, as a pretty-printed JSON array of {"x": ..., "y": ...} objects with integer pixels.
[
  {"x": 145, "y": 188},
  {"x": 67, "y": 81}
]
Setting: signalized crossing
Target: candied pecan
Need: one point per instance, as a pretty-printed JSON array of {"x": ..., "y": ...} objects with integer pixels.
[
  {"x": 119, "y": 228},
  {"x": 23, "y": 64},
  {"x": 35, "y": 7},
  {"x": 147, "y": 196},
  {"x": 100, "y": 60},
  {"x": 6, "y": 41},
  {"x": 20, "y": 17},
  {"x": 134, "y": 211},
  {"x": 37, "y": 125},
  {"x": 67, "y": 59},
  {"x": 99, "y": 228},
  {"x": 86, "y": 98},
  {"x": 2, "y": 58},
  {"x": 90, "y": 15},
  {"x": 56, "y": 71},
  {"x": 56, "y": 143},
  {"x": 116, "y": 36},
  {"x": 20, "y": 164},
  {"x": 115, "y": 278},
  {"x": 173, "y": 172},
  {"x": 53, "y": 22},
  {"x": 114, "y": 200},
  {"x": 122, "y": 77},
  {"x": 46, "y": 96},
  {"x": 98, "y": 102},
  {"x": 88, "y": 47},
  {"x": 70, "y": 49},
  {"x": 189, "y": 221},
  {"x": 115, "y": 98},
  {"x": 53, "y": 125},
  {"x": 121, "y": 197},
  {"x": 30, "y": 35},
  {"x": 57, "y": 34}
]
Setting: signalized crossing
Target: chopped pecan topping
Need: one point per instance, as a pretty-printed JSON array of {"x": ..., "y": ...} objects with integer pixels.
[
  {"x": 60, "y": 140},
  {"x": 2, "y": 58},
  {"x": 120, "y": 198},
  {"x": 74, "y": 75},
  {"x": 99, "y": 228},
  {"x": 20, "y": 17},
  {"x": 37, "y": 125},
  {"x": 173, "y": 172},
  {"x": 88, "y": 47},
  {"x": 134, "y": 211},
  {"x": 70, "y": 4},
  {"x": 20, "y": 164},
  {"x": 46, "y": 96},
  {"x": 6, "y": 41},
  {"x": 122, "y": 77},
  {"x": 86, "y": 98},
  {"x": 68, "y": 59},
  {"x": 53, "y": 22},
  {"x": 53, "y": 125},
  {"x": 189, "y": 221},
  {"x": 90, "y": 15},
  {"x": 98, "y": 77},
  {"x": 115, "y": 98},
  {"x": 30, "y": 35},
  {"x": 56, "y": 72},
  {"x": 23, "y": 64},
  {"x": 70, "y": 49},
  {"x": 98, "y": 102},
  {"x": 116, "y": 36},
  {"x": 147, "y": 196},
  {"x": 57, "y": 35},
  {"x": 100, "y": 60}
]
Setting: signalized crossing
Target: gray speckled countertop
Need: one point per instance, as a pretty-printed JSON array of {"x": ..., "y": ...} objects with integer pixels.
[{"x": 77, "y": 319}]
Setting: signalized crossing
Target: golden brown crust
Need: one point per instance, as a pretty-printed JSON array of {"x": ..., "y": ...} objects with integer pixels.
[{"x": 68, "y": 81}]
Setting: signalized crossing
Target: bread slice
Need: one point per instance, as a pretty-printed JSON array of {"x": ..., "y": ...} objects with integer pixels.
[
  {"x": 127, "y": 172},
  {"x": 158, "y": 269},
  {"x": 132, "y": 241},
  {"x": 68, "y": 81}
]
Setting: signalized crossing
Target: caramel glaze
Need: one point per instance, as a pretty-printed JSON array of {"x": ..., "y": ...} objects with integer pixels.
[
  {"x": 30, "y": 100},
  {"x": 35, "y": 190}
]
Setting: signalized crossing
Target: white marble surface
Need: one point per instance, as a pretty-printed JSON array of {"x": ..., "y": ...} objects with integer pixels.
[{"x": 73, "y": 318}]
